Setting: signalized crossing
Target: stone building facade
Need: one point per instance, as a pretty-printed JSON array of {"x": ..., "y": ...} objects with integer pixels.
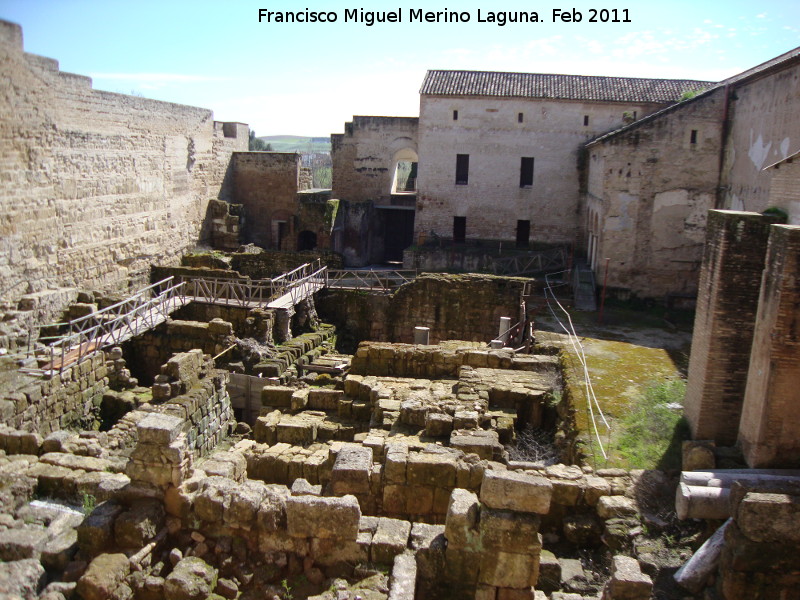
[
  {"x": 499, "y": 152},
  {"x": 377, "y": 218},
  {"x": 98, "y": 185},
  {"x": 650, "y": 183}
]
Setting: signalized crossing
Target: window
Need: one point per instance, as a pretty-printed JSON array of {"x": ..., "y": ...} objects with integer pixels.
[
  {"x": 526, "y": 172},
  {"x": 519, "y": 118},
  {"x": 585, "y": 120},
  {"x": 693, "y": 137},
  {"x": 462, "y": 169},
  {"x": 523, "y": 233},
  {"x": 455, "y": 115},
  {"x": 459, "y": 229}
]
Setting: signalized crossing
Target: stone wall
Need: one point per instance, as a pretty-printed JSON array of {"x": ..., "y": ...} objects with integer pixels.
[
  {"x": 454, "y": 307},
  {"x": 364, "y": 156},
  {"x": 44, "y": 405},
  {"x": 266, "y": 185},
  {"x": 93, "y": 180},
  {"x": 364, "y": 159},
  {"x": 763, "y": 130},
  {"x": 649, "y": 189},
  {"x": 489, "y": 131}
]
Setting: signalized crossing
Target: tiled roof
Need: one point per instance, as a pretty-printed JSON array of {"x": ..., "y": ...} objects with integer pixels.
[{"x": 569, "y": 87}]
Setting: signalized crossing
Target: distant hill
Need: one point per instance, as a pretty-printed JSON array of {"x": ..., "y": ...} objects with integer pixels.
[{"x": 297, "y": 143}]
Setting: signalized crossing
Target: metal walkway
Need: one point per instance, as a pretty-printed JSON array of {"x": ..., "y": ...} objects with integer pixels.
[{"x": 151, "y": 306}]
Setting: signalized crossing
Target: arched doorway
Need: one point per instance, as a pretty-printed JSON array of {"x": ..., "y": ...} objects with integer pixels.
[{"x": 306, "y": 240}]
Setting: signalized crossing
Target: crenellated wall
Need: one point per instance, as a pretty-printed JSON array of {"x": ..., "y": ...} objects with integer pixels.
[{"x": 97, "y": 186}]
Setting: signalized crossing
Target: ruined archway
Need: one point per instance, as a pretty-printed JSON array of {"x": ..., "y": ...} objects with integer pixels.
[{"x": 404, "y": 171}]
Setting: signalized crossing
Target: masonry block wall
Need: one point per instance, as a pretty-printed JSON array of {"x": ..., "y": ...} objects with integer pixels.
[
  {"x": 98, "y": 185},
  {"x": 770, "y": 426},
  {"x": 363, "y": 155},
  {"x": 266, "y": 184},
  {"x": 763, "y": 130},
  {"x": 730, "y": 279},
  {"x": 649, "y": 190},
  {"x": 364, "y": 160},
  {"x": 489, "y": 130}
]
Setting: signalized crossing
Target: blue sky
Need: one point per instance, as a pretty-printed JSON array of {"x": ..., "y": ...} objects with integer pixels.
[{"x": 309, "y": 78}]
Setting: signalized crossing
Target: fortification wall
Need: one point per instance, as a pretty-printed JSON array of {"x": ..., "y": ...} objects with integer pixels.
[
  {"x": 649, "y": 190},
  {"x": 97, "y": 185},
  {"x": 764, "y": 129},
  {"x": 266, "y": 184}
]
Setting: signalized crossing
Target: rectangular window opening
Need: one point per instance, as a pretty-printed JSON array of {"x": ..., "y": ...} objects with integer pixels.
[
  {"x": 526, "y": 172},
  {"x": 459, "y": 229},
  {"x": 520, "y": 118},
  {"x": 693, "y": 137},
  {"x": 462, "y": 169},
  {"x": 523, "y": 233},
  {"x": 585, "y": 120},
  {"x": 455, "y": 115}
]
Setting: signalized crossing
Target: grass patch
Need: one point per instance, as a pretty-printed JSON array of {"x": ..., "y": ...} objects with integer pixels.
[{"x": 654, "y": 428}]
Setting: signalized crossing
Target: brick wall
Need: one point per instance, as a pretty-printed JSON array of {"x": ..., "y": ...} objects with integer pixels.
[
  {"x": 770, "y": 426},
  {"x": 736, "y": 244},
  {"x": 93, "y": 180}
]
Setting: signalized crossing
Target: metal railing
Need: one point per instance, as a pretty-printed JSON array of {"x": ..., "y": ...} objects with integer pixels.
[
  {"x": 109, "y": 326},
  {"x": 151, "y": 306},
  {"x": 542, "y": 261},
  {"x": 372, "y": 280}
]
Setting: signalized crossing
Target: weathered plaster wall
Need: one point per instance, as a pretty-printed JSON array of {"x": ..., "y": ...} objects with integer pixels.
[
  {"x": 764, "y": 129},
  {"x": 266, "y": 185},
  {"x": 489, "y": 131},
  {"x": 97, "y": 185},
  {"x": 363, "y": 156},
  {"x": 649, "y": 189},
  {"x": 364, "y": 161}
]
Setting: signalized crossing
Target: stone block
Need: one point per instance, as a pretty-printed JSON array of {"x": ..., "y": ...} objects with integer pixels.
[
  {"x": 60, "y": 549},
  {"x": 506, "y": 569},
  {"x": 419, "y": 500},
  {"x": 549, "y": 572},
  {"x": 461, "y": 528},
  {"x": 22, "y": 578},
  {"x": 297, "y": 430},
  {"x": 389, "y": 540},
  {"x": 191, "y": 579},
  {"x": 521, "y": 492},
  {"x": 324, "y": 399},
  {"x": 573, "y": 577},
  {"x": 159, "y": 429},
  {"x": 352, "y": 470},
  {"x": 299, "y": 400},
  {"x": 503, "y": 530},
  {"x": 428, "y": 544},
  {"x": 139, "y": 524},
  {"x": 404, "y": 577},
  {"x": 567, "y": 492},
  {"x": 627, "y": 581},
  {"x": 96, "y": 533},
  {"x": 486, "y": 444},
  {"x": 322, "y": 517},
  {"x": 438, "y": 424},
  {"x": 21, "y": 543},
  {"x": 609, "y": 507},
  {"x": 770, "y": 517},
  {"x": 594, "y": 489},
  {"x": 277, "y": 396},
  {"x": 394, "y": 499},
  {"x": 103, "y": 576},
  {"x": 431, "y": 469},
  {"x": 394, "y": 468},
  {"x": 698, "y": 455}
]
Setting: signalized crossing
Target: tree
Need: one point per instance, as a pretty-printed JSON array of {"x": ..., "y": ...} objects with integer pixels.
[{"x": 257, "y": 144}]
